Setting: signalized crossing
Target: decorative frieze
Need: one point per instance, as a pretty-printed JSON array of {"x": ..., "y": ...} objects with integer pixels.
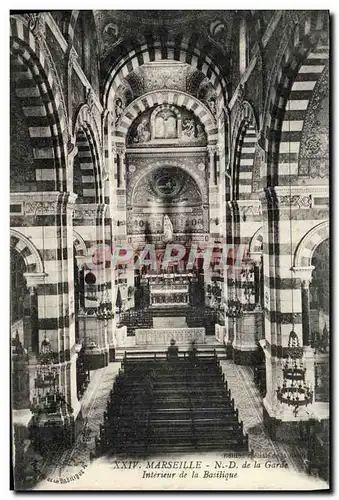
[
  {"x": 89, "y": 211},
  {"x": 44, "y": 203},
  {"x": 287, "y": 197},
  {"x": 249, "y": 208}
]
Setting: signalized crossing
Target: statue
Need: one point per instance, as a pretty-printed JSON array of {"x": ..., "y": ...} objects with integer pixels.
[
  {"x": 212, "y": 105},
  {"x": 168, "y": 229},
  {"x": 118, "y": 109},
  {"x": 143, "y": 134},
  {"x": 200, "y": 131},
  {"x": 188, "y": 128}
]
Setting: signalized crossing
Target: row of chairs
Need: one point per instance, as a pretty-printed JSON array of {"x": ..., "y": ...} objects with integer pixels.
[{"x": 156, "y": 408}]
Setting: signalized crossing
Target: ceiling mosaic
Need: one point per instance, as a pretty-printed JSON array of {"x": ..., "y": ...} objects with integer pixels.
[
  {"x": 115, "y": 26},
  {"x": 170, "y": 75},
  {"x": 166, "y": 125},
  {"x": 314, "y": 147}
]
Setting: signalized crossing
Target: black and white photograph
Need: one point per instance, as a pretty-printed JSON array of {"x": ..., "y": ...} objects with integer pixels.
[{"x": 170, "y": 288}]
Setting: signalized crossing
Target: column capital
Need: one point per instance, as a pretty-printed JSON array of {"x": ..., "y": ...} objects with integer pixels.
[
  {"x": 304, "y": 273},
  {"x": 212, "y": 148},
  {"x": 119, "y": 148},
  {"x": 255, "y": 257},
  {"x": 33, "y": 280}
]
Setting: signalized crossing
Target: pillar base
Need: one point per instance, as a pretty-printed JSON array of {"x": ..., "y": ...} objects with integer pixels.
[
  {"x": 279, "y": 430},
  {"x": 54, "y": 431},
  {"x": 244, "y": 356},
  {"x": 229, "y": 350},
  {"x": 96, "y": 358},
  {"x": 112, "y": 354}
]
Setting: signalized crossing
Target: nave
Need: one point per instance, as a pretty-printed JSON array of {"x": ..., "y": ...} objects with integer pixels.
[{"x": 247, "y": 400}]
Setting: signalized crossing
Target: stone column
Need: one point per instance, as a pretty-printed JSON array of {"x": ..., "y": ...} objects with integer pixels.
[
  {"x": 305, "y": 276},
  {"x": 119, "y": 151},
  {"x": 33, "y": 280},
  {"x": 89, "y": 223},
  {"x": 47, "y": 219},
  {"x": 284, "y": 207},
  {"x": 212, "y": 149}
]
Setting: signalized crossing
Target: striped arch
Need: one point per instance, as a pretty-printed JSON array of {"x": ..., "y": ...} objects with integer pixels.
[
  {"x": 86, "y": 138},
  {"x": 38, "y": 90},
  {"x": 243, "y": 145},
  {"x": 28, "y": 252},
  {"x": 79, "y": 245},
  {"x": 290, "y": 64},
  {"x": 132, "y": 53},
  {"x": 256, "y": 242},
  {"x": 306, "y": 247},
  {"x": 299, "y": 98},
  {"x": 173, "y": 97}
]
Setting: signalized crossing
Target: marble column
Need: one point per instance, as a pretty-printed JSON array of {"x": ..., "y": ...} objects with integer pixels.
[{"x": 305, "y": 276}]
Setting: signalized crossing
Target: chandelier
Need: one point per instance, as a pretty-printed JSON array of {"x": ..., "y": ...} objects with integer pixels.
[
  {"x": 104, "y": 311},
  {"x": 234, "y": 309},
  {"x": 294, "y": 391},
  {"x": 47, "y": 397},
  {"x": 247, "y": 273},
  {"x": 234, "y": 306}
]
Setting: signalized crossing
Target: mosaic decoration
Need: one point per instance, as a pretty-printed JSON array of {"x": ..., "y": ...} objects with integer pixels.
[
  {"x": 166, "y": 124},
  {"x": 314, "y": 147},
  {"x": 166, "y": 190}
]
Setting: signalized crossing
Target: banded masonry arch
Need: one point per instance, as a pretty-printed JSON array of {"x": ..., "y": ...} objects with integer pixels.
[
  {"x": 313, "y": 71},
  {"x": 37, "y": 88},
  {"x": 28, "y": 252},
  {"x": 87, "y": 141},
  {"x": 290, "y": 61},
  {"x": 306, "y": 247},
  {"x": 243, "y": 145},
  {"x": 131, "y": 54},
  {"x": 256, "y": 242},
  {"x": 79, "y": 245},
  {"x": 173, "y": 163},
  {"x": 158, "y": 98}
]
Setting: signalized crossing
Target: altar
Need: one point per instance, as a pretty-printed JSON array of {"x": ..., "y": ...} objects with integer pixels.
[
  {"x": 163, "y": 336},
  {"x": 170, "y": 289}
]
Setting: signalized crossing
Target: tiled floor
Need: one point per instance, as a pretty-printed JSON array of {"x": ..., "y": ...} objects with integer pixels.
[
  {"x": 248, "y": 400},
  {"x": 93, "y": 406}
]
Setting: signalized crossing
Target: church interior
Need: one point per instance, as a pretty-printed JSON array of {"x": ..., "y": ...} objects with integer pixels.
[{"x": 169, "y": 235}]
